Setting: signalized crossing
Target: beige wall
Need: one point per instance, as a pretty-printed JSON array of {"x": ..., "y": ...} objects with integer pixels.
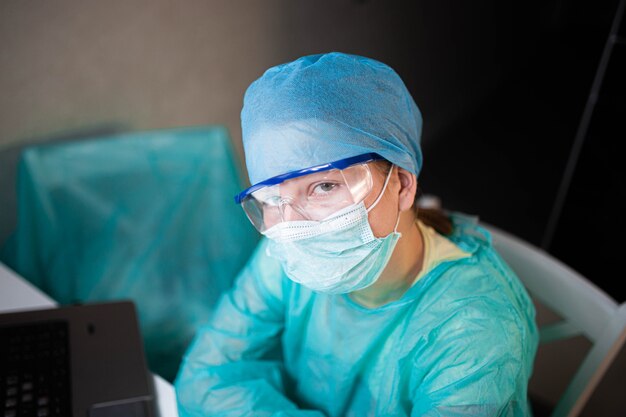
[{"x": 77, "y": 65}]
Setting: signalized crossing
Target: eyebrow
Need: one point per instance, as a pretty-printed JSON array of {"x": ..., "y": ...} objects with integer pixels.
[{"x": 305, "y": 181}]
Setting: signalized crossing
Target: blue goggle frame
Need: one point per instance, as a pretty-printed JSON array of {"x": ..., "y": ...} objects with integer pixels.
[{"x": 340, "y": 164}]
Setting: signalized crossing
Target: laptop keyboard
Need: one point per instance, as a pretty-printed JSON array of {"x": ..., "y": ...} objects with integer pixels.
[{"x": 34, "y": 370}]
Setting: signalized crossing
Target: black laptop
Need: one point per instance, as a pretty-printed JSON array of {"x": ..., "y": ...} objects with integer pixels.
[{"x": 75, "y": 361}]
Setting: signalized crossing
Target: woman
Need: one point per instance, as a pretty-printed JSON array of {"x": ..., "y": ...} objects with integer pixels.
[{"x": 353, "y": 305}]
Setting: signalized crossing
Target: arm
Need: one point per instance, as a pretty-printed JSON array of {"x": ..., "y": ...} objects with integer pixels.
[{"x": 231, "y": 367}]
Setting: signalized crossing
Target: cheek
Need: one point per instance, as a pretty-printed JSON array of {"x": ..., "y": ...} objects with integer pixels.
[{"x": 383, "y": 217}]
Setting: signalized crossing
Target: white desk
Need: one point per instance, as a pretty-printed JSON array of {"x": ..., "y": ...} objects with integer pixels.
[{"x": 18, "y": 294}]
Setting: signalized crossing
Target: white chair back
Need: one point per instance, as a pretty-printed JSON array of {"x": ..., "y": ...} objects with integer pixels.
[{"x": 584, "y": 308}]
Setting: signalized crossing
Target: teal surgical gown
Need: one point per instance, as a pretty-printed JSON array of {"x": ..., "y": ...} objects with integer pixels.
[{"x": 460, "y": 342}]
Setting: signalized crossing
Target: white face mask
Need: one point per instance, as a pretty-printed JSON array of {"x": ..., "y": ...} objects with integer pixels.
[{"x": 337, "y": 255}]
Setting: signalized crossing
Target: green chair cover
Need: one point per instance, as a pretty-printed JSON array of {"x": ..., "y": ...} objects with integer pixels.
[{"x": 147, "y": 216}]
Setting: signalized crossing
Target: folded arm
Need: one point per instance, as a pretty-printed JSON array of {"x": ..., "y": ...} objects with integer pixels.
[{"x": 233, "y": 366}]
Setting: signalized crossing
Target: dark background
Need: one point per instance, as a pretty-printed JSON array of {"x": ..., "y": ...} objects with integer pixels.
[{"x": 506, "y": 158}]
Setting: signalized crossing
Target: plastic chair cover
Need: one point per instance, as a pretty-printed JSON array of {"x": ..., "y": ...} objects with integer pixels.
[{"x": 147, "y": 216}]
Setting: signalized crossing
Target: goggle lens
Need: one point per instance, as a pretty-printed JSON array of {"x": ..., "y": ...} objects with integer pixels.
[{"x": 312, "y": 197}]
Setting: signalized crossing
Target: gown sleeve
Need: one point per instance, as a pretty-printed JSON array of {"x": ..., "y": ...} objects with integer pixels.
[{"x": 233, "y": 366}]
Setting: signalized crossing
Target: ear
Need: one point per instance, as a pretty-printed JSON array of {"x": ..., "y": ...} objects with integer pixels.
[{"x": 408, "y": 188}]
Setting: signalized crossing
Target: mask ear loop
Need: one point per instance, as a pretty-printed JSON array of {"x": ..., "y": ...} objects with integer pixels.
[
  {"x": 395, "y": 229},
  {"x": 382, "y": 191}
]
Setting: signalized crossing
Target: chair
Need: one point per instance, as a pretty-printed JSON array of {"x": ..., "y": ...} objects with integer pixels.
[
  {"x": 583, "y": 308},
  {"x": 147, "y": 216}
]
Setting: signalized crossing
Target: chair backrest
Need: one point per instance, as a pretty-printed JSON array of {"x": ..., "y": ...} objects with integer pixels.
[
  {"x": 146, "y": 215},
  {"x": 584, "y": 308}
]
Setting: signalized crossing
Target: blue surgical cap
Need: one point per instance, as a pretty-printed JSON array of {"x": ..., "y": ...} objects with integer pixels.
[{"x": 323, "y": 108}]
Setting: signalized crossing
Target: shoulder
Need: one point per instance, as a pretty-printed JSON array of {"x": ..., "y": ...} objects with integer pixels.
[
  {"x": 263, "y": 275},
  {"x": 477, "y": 332},
  {"x": 476, "y": 317},
  {"x": 485, "y": 266},
  {"x": 477, "y": 304}
]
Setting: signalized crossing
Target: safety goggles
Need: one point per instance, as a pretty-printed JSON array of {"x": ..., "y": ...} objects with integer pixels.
[{"x": 313, "y": 193}]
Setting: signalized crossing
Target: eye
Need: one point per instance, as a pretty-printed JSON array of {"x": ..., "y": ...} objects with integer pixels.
[{"x": 324, "y": 188}]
